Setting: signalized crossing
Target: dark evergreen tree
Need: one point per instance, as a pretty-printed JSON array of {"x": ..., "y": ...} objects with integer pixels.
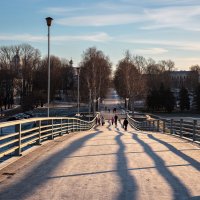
[
  {"x": 161, "y": 97},
  {"x": 153, "y": 100},
  {"x": 197, "y": 98},
  {"x": 169, "y": 100},
  {"x": 184, "y": 99}
]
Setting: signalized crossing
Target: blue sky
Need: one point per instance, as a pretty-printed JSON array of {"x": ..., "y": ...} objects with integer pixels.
[{"x": 160, "y": 29}]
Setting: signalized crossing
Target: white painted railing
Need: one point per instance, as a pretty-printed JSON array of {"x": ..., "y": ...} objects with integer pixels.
[{"x": 16, "y": 136}]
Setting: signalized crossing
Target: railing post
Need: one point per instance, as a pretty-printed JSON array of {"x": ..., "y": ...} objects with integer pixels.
[
  {"x": 153, "y": 125},
  {"x": 158, "y": 124},
  {"x": 181, "y": 127},
  {"x": 68, "y": 126},
  {"x": 194, "y": 129},
  {"x": 39, "y": 132},
  {"x": 61, "y": 133},
  {"x": 72, "y": 125},
  {"x": 18, "y": 128},
  {"x": 171, "y": 126},
  {"x": 163, "y": 125},
  {"x": 149, "y": 124},
  {"x": 52, "y": 130},
  {"x": 142, "y": 125}
]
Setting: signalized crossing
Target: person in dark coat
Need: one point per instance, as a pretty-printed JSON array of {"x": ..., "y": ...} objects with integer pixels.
[
  {"x": 112, "y": 120},
  {"x": 116, "y": 118},
  {"x": 125, "y": 124}
]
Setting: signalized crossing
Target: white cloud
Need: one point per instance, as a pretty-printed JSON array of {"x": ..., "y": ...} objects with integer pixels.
[
  {"x": 61, "y": 10},
  {"x": 182, "y": 45},
  {"x": 100, "y": 20},
  {"x": 22, "y": 37},
  {"x": 163, "y": 2},
  {"x": 183, "y": 16},
  {"x": 97, "y": 37},
  {"x": 151, "y": 51},
  {"x": 103, "y": 7}
]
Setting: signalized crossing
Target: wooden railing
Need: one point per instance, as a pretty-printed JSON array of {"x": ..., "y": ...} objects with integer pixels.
[{"x": 16, "y": 136}]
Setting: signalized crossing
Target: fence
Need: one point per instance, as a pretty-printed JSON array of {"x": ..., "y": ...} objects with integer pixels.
[
  {"x": 16, "y": 136},
  {"x": 186, "y": 129}
]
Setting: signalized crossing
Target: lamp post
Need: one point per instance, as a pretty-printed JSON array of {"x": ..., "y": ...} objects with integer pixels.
[
  {"x": 90, "y": 96},
  {"x": 78, "y": 74},
  {"x": 127, "y": 104},
  {"x": 98, "y": 104},
  {"x": 94, "y": 109},
  {"x": 48, "y": 20}
]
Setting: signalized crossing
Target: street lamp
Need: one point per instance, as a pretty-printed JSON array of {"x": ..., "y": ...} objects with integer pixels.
[
  {"x": 90, "y": 96},
  {"x": 94, "y": 107},
  {"x": 98, "y": 103},
  {"x": 48, "y": 20},
  {"x": 78, "y": 74},
  {"x": 127, "y": 99}
]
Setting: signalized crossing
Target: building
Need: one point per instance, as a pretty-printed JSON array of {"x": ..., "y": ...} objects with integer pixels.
[
  {"x": 187, "y": 79},
  {"x": 16, "y": 69}
]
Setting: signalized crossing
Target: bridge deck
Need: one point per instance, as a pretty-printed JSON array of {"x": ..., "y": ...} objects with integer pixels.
[{"x": 106, "y": 163}]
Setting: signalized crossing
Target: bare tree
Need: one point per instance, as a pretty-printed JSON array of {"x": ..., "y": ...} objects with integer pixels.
[
  {"x": 128, "y": 79},
  {"x": 95, "y": 74},
  {"x": 8, "y": 73}
]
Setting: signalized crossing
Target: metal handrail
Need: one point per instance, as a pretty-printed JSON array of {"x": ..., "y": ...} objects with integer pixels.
[
  {"x": 133, "y": 123},
  {"x": 147, "y": 125},
  {"x": 17, "y": 135},
  {"x": 189, "y": 130}
]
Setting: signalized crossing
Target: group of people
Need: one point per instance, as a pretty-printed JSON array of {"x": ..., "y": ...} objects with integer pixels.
[
  {"x": 101, "y": 121},
  {"x": 115, "y": 119},
  {"x": 114, "y": 109}
]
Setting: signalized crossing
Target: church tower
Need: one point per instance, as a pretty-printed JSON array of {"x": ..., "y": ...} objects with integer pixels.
[{"x": 15, "y": 65}]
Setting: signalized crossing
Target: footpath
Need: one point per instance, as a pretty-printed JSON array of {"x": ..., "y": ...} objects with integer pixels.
[{"x": 106, "y": 163}]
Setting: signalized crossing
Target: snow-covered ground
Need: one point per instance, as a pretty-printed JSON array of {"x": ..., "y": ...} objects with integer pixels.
[{"x": 112, "y": 99}]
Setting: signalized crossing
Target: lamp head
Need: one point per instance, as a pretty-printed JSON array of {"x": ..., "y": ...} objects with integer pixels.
[
  {"x": 49, "y": 20},
  {"x": 78, "y": 70}
]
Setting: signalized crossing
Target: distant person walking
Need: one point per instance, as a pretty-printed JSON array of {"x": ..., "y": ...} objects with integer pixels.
[
  {"x": 125, "y": 124},
  {"x": 99, "y": 120},
  {"x": 102, "y": 120},
  {"x": 116, "y": 118},
  {"x": 112, "y": 120}
]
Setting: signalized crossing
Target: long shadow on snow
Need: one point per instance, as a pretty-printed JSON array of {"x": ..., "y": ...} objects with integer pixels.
[
  {"x": 190, "y": 160},
  {"x": 21, "y": 189},
  {"x": 178, "y": 188},
  {"x": 129, "y": 186}
]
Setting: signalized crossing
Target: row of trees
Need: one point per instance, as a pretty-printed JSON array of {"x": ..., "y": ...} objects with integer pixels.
[
  {"x": 138, "y": 78},
  {"x": 23, "y": 73},
  {"x": 162, "y": 99},
  {"x": 135, "y": 77}
]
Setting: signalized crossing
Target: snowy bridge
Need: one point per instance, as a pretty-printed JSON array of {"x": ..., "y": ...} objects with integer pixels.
[{"x": 104, "y": 162}]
